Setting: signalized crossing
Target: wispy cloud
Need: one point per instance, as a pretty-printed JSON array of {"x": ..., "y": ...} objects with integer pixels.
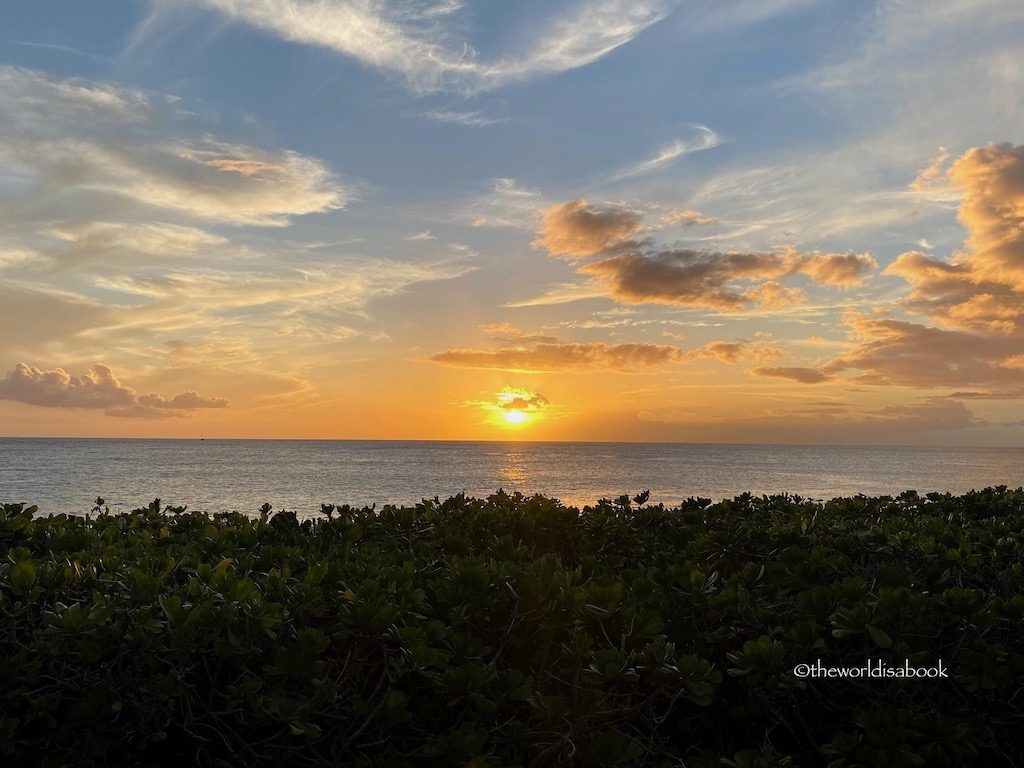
[
  {"x": 411, "y": 40},
  {"x": 508, "y": 203},
  {"x": 476, "y": 118},
  {"x": 703, "y": 138},
  {"x": 426, "y": 234},
  {"x": 85, "y": 141}
]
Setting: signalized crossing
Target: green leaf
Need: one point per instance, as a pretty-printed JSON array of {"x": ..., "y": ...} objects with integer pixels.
[
  {"x": 23, "y": 576},
  {"x": 882, "y": 640}
]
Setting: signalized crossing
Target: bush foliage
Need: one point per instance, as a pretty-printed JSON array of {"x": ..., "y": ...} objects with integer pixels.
[{"x": 515, "y": 631}]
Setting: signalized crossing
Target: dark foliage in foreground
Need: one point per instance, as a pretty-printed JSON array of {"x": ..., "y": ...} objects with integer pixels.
[{"x": 515, "y": 631}]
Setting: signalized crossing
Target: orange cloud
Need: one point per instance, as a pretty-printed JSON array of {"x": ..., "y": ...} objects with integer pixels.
[
  {"x": 930, "y": 175},
  {"x": 833, "y": 268},
  {"x": 977, "y": 296},
  {"x": 576, "y": 229},
  {"x": 727, "y": 352},
  {"x": 992, "y": 210},
  {"x": 507, "y": 333}
]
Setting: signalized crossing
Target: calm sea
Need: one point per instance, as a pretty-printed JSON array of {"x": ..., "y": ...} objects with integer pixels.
[{"x": 66, "y": 475}]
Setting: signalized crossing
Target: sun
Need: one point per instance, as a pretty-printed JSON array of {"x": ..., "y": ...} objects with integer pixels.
[{"x": 514, "y": 416}]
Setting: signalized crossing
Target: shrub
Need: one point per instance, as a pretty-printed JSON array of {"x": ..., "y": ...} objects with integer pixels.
[{"x": 515, "y": 631}]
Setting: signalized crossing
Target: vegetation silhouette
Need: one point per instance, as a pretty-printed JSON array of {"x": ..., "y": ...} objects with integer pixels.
[{"x": 515, "y": 631}]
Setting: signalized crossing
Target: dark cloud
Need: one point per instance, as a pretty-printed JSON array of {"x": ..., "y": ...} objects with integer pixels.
[
  {"x": 559, "y": 356},
  {"x": 523, "y": 401},
  {"x": 634, "y": 272},
  {"x": 564, "y": 357},
  {"x": 802, "y": 375},
  {"x": 729, "y": 282}
]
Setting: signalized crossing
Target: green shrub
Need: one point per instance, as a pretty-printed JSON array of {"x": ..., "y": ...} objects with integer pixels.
[{"x": 515, "y": 631}]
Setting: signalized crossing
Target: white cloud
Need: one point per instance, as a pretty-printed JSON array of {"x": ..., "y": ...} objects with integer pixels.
[
  {"x": 703, "y": 138},
  {"x": 476, "y": 118},
  {"x": 507, "y": 204},
  {"x": 408, "y": 39},
  {"x": 71, "y": 145}
]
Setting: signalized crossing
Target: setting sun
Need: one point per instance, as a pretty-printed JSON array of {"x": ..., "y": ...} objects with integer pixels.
[{"x": 515, "y": 417}]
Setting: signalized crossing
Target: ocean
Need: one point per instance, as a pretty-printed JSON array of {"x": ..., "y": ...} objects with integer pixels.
[{"x": 66, "y": 475}]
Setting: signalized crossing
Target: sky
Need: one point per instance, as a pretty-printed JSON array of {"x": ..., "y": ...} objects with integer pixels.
[{"x": 744, "y": 221}]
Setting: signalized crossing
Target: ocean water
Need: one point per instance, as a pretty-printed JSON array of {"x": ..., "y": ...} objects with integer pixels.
[{"x": 66, "y": 475}]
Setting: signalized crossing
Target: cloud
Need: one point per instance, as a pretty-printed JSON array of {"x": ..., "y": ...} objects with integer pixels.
[
  {"x": 720, "y": 281},
  {"x": 299, "y": 311},
  {"x": 476, "y": 118},
  {"x": 41, "y": 104},
  {"x": 507, "y": 204},
  {"x": 81, "y": 145},
  {"x": 802, "y": 375},
  {"x": 198, "y": 179},
  {"x": 931, "y": 174},
  {"x": 562, "y": 293},
  {"x": 686, "y": 218},
  {"x": 703, "y": 138},
  {"x": 576, "y": 229},
  {"x": 138, "y": 411},
  {"x": 512, "y": 405},
  {"x": 927, "y": 414},
  {"x": 535, "y": 354},
  {"x": 895, "y": 352},
  {"x": 636, "y": 272},
  {"x": 955, "y": 295},
  {"x": 900, "y": 423},
  {"x": 507, "y": 333},
  {"x": 540, "y": 358},
  {"x": 426, "y": 234},
  {"x": 44, "y": 315},
  {"x": 727, "y": 352},
  {"x": 521, "y": 400},
  {"x": 108, "y": 243},
  {"x": 845, "y": 269},
  {"x": 992, "y": 181},
  {"x": 99, "y": 388},
  {"x": 410, "y": 40},
  {"x": 186, "y": 400},
  {"x": 976, "y": 297},
  {"x": 125, "y": 201}
]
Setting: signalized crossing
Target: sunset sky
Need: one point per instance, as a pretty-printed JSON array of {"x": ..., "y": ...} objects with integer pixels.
[{"x": 702, "y": 221}]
